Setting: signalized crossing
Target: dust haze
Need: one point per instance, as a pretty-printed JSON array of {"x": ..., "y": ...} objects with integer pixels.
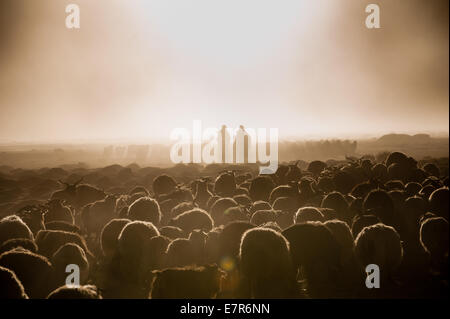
[{"x": 137, "y": 69}]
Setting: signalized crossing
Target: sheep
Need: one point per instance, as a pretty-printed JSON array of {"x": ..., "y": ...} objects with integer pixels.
[
  {"x": 266, "y": 265},
  {"x": 12, "y": 227},
  {"x": 212, "y": 201},
  {"x": 233, "y": 214},
  {"x": 412, "y": 188},
  {"x": 33, "y": 216},
  {"x": 127, "y": 274},
  {"x": 328, "y": 213},
  {"x": 139, "y": 190},
  {"x": 260, "y": 188},
  {"x": 283, "y": 191},
  {"x": 337, "y": 201},
  {"x": 284, "y": 219},
  {"x": 72, "y": 292},
  {"x": 202, "y": 193},
  {"x": 212, "y": 253},
  {"x": 78, "y": 195},
  {"x": 179, "y": 254},
  {"x": 380, "y": 204},
  {"x": 186, "y": 252},
  {"x": 397, "y": 171},
  {"x": 398, "y": 198},
  {"x": 362, "y": 189},
  {"x": 243, "y": 178},
  {"x": 317, "y": 252},
  {"x": 49, "y": 241},
  {"x": 57, "y": 211},
  {"x": 229, "y": 240},
  {"x": 180, "y": 194},
  {"x": 219, "y": 207},
  {"x": 145, "y": 209},
  {"x": 95, "y": 215},
  {"x": 155, "y": 254},
  {"x": 166, "y": 207},
  {"x": 127, "y": 200},
  {"x": 351, "y": 272},
  {"x": 163, "y": 184},
  {"x": 18, "y": 242},
  {"x": 294, "y": 174},
  {"x": 380, "y": 244},
  {"x": 316, "y": 167},
  {"x": 344, "y": 182},
  {"x": 193, "y": 219},
  {"x": 34, "y": 271},
  {"x": 134, "y": 235},
  {"x": 286, "y": 204},
  {"x": 416, "y": 175},
  {"x": 312, "y": 211},
  {"x": 172, "y": 232},
  {"x": 395, "y": 158},
  {"x": 87, "y": 194},
  {"x": 10, "y": 285},
  {"x": 439, "y": 200},
  {"x": 186, "y": 283},
  {"x": 133, "y": 240},
  {"x": 179, "y": 209},
  {"x": 260, "y": 205},
  {"x": 68, "y": 194},
  {"x": 413, "y": 209},
  {"x": 109, "y": 236},
  {"x": 432, "y": 170},
  {"x": 326, "y": 184},
  {"x": 341, "y": 231},
  {"x": 225, "y": 185},
  {"x": 426, "y": 191},
  {"x": 66, "y": 255},
  {"x": 307, "y": 193},
  {"x": 281, "y": 172},
  {"x": 361, "y": 221},
  {"x": 263, "y": 216},
  {"x": 434, "y": 234},
  {"x": 305, "y": 214},
  {"x": 379, "y": 172},
  {"x": 243, "y": 200}
]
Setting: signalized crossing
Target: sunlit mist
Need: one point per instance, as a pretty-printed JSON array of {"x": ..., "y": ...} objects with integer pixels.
[{"x": 138, "y": 69}]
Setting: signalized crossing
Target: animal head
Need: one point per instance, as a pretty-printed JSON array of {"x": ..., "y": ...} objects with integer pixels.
[{"x": 71, "y": 187}]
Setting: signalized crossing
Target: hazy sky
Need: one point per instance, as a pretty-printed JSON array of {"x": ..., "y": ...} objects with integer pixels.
[{"x": 138, "y": 69}]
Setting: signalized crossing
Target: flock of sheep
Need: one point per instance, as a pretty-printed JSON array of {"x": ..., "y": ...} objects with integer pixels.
[{"x": 307, "y": 231}]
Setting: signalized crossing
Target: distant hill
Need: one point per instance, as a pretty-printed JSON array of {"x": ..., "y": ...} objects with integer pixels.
[{"x": 402, "y": 139}]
